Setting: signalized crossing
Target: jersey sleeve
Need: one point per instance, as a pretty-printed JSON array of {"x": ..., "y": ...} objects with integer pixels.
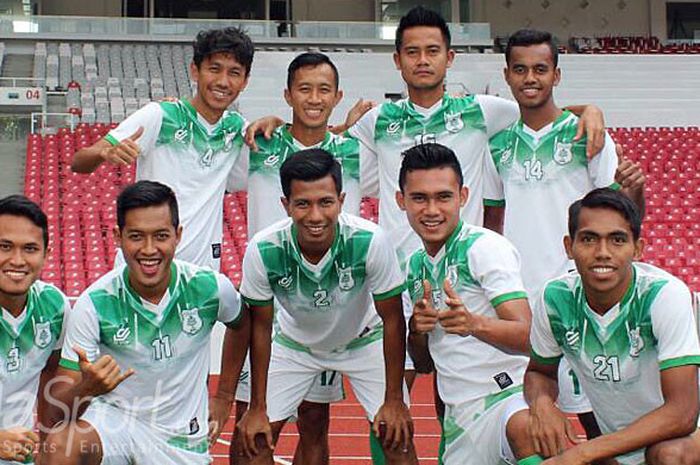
[
  {"x": 543, "y": 347},
  {"x": 493, "y": 184},
  {"x": 383, "y": 270},
  {"x": 363, "y": 131},
  {"x": 495, "y": 264},
  {"x": 83, "y": 331},
  {"x": 229, "y": 301},
  {"x": 602, "y": 167},
  {"x": 150, "y": 118},
  {"x": 238, "y": 177},
  {"x": 674, "y": 326},
  {"x": 499, "y": 113},
  {"x": 255, "y": 287}
]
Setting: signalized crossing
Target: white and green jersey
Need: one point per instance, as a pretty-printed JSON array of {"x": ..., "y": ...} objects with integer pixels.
[
  {"x": 539, "y": 174},
  {"x": 259, "y": 174},
  {"x": 26, "y": 343},
  {"x": 327, "y": 306},
  {"x": 464, "y": 124},
  {"x": 182, "y": 150},
  {"x": 166, "y": 344},
  {"x": 484, "y": 269},
  {"x": 618, "y": 357}
]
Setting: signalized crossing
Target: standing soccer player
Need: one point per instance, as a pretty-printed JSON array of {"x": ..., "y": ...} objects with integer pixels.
[
  {"x": 135, "y": 360},
  {"x": 312, "y": 92},
  {"x": 470, "y": 317},
  {"x": 537, "y": 169},
  {"x": 328, "y": 273},
  {"x": 628, "y": 331},
  {"x": 30, "y": 329}
]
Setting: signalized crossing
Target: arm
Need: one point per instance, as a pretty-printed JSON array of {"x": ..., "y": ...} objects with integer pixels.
[
  {"x": 677, "y": 417},
  {"x": 493, "y": 218},
  {"x": 630, "y": 176},
  {"x": 265, "y": 126},
  {"x": 591, "y": 122},
  {"x": 361, "y": 107},
  {"x": 121, "y": 153},
  {"x": 46, "y": 412},
  {"x": 509, "y": 332},
  {"x": 422, "y": 321}
]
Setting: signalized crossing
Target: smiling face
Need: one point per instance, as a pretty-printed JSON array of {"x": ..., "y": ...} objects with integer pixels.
[
  {"x": 22, "y": 255},
  {"x": 423, "y": 58},
  {"x": 603, "y": 250},
  {"x": 220, "y": 78},
  {"x": 148, "y": 241},
  {"x": 432, "y": 199},
  {"x": 313, "y": 95},
  {"x": 314, "y": 207},
  {"x": 532, "y": 75}
]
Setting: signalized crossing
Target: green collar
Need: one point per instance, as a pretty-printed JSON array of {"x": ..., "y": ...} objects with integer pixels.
[
  {"x": 289, "y": 138},
  {"x": 135, "y": 298}
]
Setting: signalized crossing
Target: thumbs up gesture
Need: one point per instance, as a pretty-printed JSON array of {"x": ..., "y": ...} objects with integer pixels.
[
  {"x": 456, "y": 319},
  {"x": 125, "y": 152},
  {"x": 425, "y": 316},
  {"x": 100, "y": 377}
]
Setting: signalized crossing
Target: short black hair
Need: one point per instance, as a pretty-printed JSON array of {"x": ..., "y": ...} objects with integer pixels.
[
  {"x": 429, "y": 156},
  {"x": 610, "y": 199},
  {"x": 527, "y": 37},
  {"x": 312, "y": 59},
  {"x": 231, "y": 40},
  {"x": 144, "y": 194},
  {"x": 421, "y": 16},
  {"x": 19, "y": 205},
  {"x": 310, "y": 165}
]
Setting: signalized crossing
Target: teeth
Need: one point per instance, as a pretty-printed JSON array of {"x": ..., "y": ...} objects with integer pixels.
[
  {"x": 16, "y": 274},
  {"x": 602, "y": 269},
  {"x": 149, "y": 262}
]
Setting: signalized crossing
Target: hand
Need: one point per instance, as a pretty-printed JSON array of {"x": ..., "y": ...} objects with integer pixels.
[
  {"x": 219, "y": 414},
  {"x": 100, "y": 377},
  {"x": 425, "y": 316},
  {"x": 16, "y": 444},
  {"x": 570, "y": 457},
  {"x": 265, "y": 126},
  {"x": 357, "y": 111},
  {"x": 252, "y": 424},
  {"x": 125, "y": 152},
  {"x": 628, "y": 174},
  {"x": 393, "y": 425},
  {"x": 457, "y": 319},
  {"x": 551, "y": 431},
  {"x": 592, "y": 123}
]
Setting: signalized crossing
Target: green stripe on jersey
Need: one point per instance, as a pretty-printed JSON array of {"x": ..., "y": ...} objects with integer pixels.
[
  {"x": 679, "y": 361},
  {"x": 69, "y": 364},
  {"x": 507, "y": 297}
]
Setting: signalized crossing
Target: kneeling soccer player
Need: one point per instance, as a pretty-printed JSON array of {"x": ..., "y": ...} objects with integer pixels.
[
  {"x": 628, "y": 331},
  {"x": 327, "y": 273},
  {"x": 470, "y": 316},
  {"x": 136, "y": 349}
]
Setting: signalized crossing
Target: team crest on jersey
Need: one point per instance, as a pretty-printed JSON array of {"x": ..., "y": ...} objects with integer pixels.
[
  {"x": 285, "y": 282},
  {"x": 121, "y": 336},
  {"x": 636, "y": 342},
  {"x": 345, "y": 279},
  {"x": 191, "y": 321},
  {"x": 228, "y": 140},
  {"x": 42, "y": 334},
  {"x": 453, "y": 274},
  {"x": 428, "y": 138},
  {"x": 454, "y": 122},
  {"x": 573, "y": 339},
  {"x": 417, "y": 284},
  {"x": 437, "y": 298},
  {"x": 393, "y": 127},
  {"x": 562, "y": 153}
]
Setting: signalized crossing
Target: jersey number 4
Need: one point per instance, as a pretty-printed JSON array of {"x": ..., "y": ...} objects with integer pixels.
[{"x": 533, "y": 169}]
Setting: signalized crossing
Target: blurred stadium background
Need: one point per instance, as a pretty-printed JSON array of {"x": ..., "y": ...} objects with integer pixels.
[{"x": 70, "y": 70}]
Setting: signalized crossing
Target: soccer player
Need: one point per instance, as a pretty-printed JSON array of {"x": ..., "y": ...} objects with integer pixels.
[
  {"x": 190, "y": 146},
  {"x": 312, "y": 92},
  {"x": 628, "y": 331},
  {"x": 470, "y": 318},
  {"x": 30, "y": 328},
  {"x": 336, "y": 283},
  {"x": 135, "y": 360},
  {"x": 537, "y": 169}
]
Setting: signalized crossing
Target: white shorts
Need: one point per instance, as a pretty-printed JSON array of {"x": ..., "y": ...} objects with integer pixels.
[
  {"x": 571, "y": 398},
  {"x": 475, "y": 433},
  {"x": 292, "y": 373},
  {"x": 326, "y": 388},
  {"x": 128, "y": 440}
]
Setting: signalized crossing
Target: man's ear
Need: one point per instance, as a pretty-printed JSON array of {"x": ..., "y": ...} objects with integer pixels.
[
  {"x": 568, "y": 244},
  {"x": 400, "y": 201}
]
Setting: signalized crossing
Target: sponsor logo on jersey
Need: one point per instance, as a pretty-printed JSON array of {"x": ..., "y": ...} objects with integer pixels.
[
  {"x": 272, "y": 160},
  {"x": 454, "y": 122},
  {"x": 216, "y": 250},
  {"x": 194, "y": 426},
  {"x": 285, "y": 282},
  {"x": 345, "y": 279},
  {"x": 428, "y": 138},
  {"x": 573, "y": 339},
  {"x": 122, "y": 335},
  {"x": 191, "y": 321},
  {"x": 181, "y": 134},
  {"x": 506, "y": 156},
  {"x": 503, "y": 380},
  {"x": 636, "y": 342},
  {"x": 393, "y": 127},
  {"x": 42, "y": 334},
  {"x": 562, "y": 153}
]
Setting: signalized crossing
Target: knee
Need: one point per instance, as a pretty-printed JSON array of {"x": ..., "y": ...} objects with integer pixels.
[
  {"x": 670, "y": 453},
  {"x": 518, "y": 434},
  {"x": 58, "y": 448}
]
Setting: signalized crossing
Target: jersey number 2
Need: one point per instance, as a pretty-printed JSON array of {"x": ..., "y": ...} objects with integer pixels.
[{"x": 606, "y": 368}]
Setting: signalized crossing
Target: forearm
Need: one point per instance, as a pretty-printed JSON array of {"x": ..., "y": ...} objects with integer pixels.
[
  {"x": 666, "y": 422},
  {"x": 418, "y": 350},
  {"x": 540, "y": 387},
  {"x": 233, "y": 352},
  {"x": 259, "y": 361},
  {"x": 394, "y": 354},
  {"x": 493, "y": 218},
  {"x": 71, "y": 397},
  {"x": 88, "y": 159},
  {"x": 507, "y": 335},
  {"x": 576, "y": 109},
  {"x": 637, "y": 196}
]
